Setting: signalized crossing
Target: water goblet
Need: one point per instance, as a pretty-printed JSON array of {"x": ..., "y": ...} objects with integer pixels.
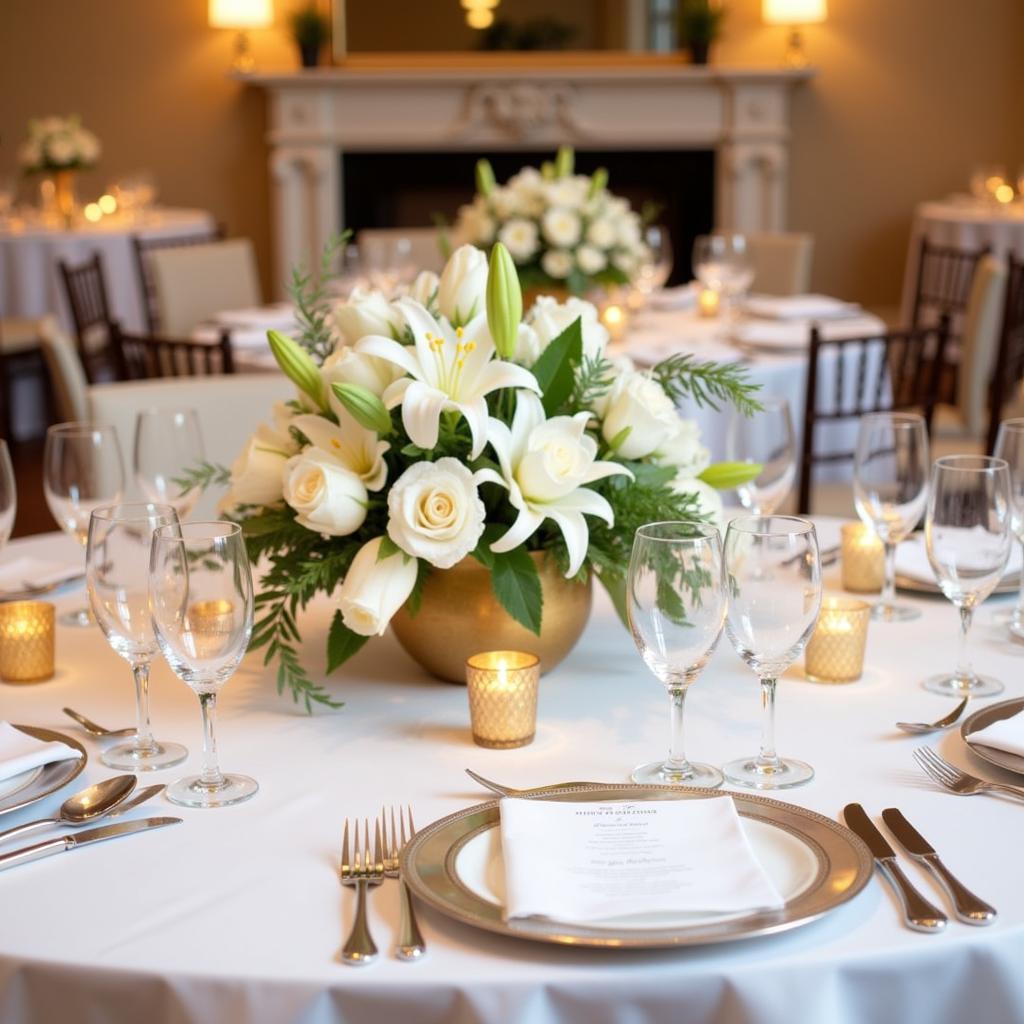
[
  {"x": 116, "y": 569},
  {"x": 773, "y": 581},
  {"x": 1010, "y": 446},
  {"x": 968, "y": 535},
  {"x": 656, "y": 266},
  {"x": 201, "y": 599},
  {"x": 168, "y": 443},
  {"x": 767, "y": 438},
  {"x": 890, "y": 490},
  {"x": 721, "y": 263},
  {"x": 676, "y": 608}
]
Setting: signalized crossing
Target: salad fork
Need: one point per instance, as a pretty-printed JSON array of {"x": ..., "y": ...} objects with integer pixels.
[
  {"x": 360, "y": 872},
  {"x": 410, "y": 942},
  {"x": 956, "y": 780}
]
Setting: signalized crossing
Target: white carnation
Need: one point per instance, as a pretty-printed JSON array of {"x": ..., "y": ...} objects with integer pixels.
[
  {"x": 602, "y": 233},
  {"x": 590, "y": 259},
  {"x": 520, "y": 237},
  {"x": 562, "y": 227},
  {"x": 557, "y": 263}
]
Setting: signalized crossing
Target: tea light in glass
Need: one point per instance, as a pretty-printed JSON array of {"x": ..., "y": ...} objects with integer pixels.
[
  {"x": 709, "y": 302},
  {"x": 863, "y": 559},
  {"x": 835, "y": 653},
  {"x": 615, "y": 318},
  {"x": 502, "y": 687},
  {"x": 26, "y": 641}
]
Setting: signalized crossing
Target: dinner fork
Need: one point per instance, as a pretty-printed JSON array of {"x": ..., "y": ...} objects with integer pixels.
[
  {"x": 361, "y": 872},
  {"x": 410, "y": 942},
  {"x": 957, "y": 780}
]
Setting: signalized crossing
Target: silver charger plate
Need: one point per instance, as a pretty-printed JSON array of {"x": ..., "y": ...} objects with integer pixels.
[
  {"x": 985, "y": 717},
  {"x": 912, "y": 585},
  {"x": 51, "y": 776},
  {"x": 820, "y": 863}
]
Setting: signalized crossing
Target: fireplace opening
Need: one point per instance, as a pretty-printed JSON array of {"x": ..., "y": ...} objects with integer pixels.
[{"x": 387, "y": 189}]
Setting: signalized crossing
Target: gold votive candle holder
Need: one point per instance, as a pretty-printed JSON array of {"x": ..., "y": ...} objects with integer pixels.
[
  {"x": 863, "y": 559},
  {"x": 709, "y": 302},
  {"x": 26, "y": 641},
  {"x": 502, "y": 687},
  {"x": 835, "y": 653}
]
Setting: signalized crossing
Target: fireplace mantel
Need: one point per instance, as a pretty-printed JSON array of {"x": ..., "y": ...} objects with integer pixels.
[{"x": 740, "y": 113}]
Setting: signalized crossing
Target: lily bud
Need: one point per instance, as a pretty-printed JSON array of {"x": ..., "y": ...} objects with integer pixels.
[
  {"x": 297, "y": 366},
  {"x": 598, "y": 181},
  {"x": 565, "y": 161},
  {"x": 723, "y": 476},
  {"x": 484, "y": 177},
  {"x": 547, "y": 170},
  {"x": 504, "y": 301},
  {"x": 366, "y": 408}
]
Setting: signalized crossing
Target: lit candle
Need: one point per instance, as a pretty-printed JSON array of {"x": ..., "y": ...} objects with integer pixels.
[
  {"x": 835, "y": 653},
  {"x": 708, "y": 302},
  {"x": 502, "y": 688},
  {"x": 613, "y": 316},
  {"x": 211, "y": 625},
  {"x": 863, "y": 559},
  {"x": 92, "y": 212},
  {"x": 26, "y": 641}
]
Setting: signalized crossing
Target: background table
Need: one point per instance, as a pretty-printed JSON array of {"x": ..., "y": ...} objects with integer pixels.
[{"x": 237, "y": 915}]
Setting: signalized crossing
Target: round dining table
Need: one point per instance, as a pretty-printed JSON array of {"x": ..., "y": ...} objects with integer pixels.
[{"x": 237, "y": 915}]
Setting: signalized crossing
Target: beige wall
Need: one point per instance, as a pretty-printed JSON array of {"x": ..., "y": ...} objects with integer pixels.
[{"x": 910, "y": 94}]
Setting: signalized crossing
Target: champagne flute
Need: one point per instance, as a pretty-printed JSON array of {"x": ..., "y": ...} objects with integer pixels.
[
  {"x": 82, "y": 471},
  {"x": 773, "y": 579},
  {"x": 8, "y": 495},
  {"x": 968, "y": 534},
  {"x": 168, "y": 443},
  {"x": 116, "y": 569},
  {"x": 767, "y": 438},
  {"x": 1010, "y": 446},
  {"x": 890, "y": 490},
  {"x": 676, "y": 607},
  {"x": 201, "y": 599}
]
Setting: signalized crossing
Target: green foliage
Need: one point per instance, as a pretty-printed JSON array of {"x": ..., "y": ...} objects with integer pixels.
[
  {"x": 593, "y": 381},
  {"x": 556, "y": 369},
  {"x": 700, "y": 22},
  {"x": 313, "y": 303},
  {"x": 342, "y": 643},
  {"x": 308, "y": 26},
  {"x": 516, "y": 585},
  {"x": 682, "y": 376},
  {"x": 201, "y": 476}
]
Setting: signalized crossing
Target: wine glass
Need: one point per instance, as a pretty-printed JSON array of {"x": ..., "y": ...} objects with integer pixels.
[
  {"x": 116, "y": 569},
  {"x": 168, "y": 443},
  {"x": 656, "y": 267},
  {"x": 890, "y": 490},
  {"x": 968, "y": 534},
  {"x": 766, "y": 437},
  {"x": 722, "y": 263},
  {"x": 1010, "y": 446},
  {"x": 676, "y": 607},
  {"x": 773, "y": 579},
  {"x": 82, "y": 471},
  {"x": 201, "y": 599},
  {"x": 8, "y": 495}
]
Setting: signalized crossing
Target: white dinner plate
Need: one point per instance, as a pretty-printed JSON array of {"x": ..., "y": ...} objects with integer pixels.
[
  {"x": 47, "y": 779},
  {"x": 16, "y": 783},
  {"x": 985, "y": 717}
]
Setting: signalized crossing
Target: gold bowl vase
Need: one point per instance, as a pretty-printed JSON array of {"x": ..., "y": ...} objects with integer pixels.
[{"x": 459, "y": 616}]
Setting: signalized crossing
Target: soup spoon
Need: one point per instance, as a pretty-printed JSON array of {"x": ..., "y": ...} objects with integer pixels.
[{"x": 942, "y": 723}]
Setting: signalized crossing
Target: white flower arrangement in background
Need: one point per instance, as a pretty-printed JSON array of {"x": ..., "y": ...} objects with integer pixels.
[{"x": 58, "y": 144}]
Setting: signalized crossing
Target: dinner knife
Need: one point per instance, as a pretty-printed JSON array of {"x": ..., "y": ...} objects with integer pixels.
[
  {"x": 72, "y": 842},
  {"x": 918, "y": 912},
  {"x": 968, "y": 907}
]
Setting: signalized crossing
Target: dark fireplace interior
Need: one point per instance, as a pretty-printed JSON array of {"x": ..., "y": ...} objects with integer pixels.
[{"x": 383, "y": 190}]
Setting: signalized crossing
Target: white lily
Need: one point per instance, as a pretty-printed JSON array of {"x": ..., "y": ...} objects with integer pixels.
[
  {"x": 544, "y": 465},
  {"x": 449, "y": 370},
  {"x": 356, "y": 448}
]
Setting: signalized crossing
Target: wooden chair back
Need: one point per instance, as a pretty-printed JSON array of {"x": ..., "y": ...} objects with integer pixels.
[
  {"x": 85, "y": 287},
  {"x": 146, "y": 357},
  {"x": 1009, "y": 364},
  {"x": 943, "y": 285}
]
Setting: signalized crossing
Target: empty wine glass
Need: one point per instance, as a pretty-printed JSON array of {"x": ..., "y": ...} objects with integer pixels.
[
  {"x": 773, "y": 581},
  {"x": 8, "y": 495},
  {"x": 168, "y": 443},
  {"x": 201, "y": 599},
  {"x": 656, "y": 266},
  {"x": 968, "y": 536},
  {"x": 82, "y": 471},
  {"x": 766, "y": 437},
  {"x": 1010, "y": 446},
  {"x": 721, "y": 262},
  {"x": 676, "y": 607},
  {"x": 116, "y": 568},
  {"x": 890, "y": 490}
]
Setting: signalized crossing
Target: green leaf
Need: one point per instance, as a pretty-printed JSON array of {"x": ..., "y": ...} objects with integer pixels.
[
  {"x": 387, "y": 548},
  {"x": 414, "y": 451},
  {"x": 556, "y": 369},
  {"x": 725, "y": 475},
  {"x": 342, "y": 643},
  {"x": 620, "y": 438},
  {"x": 483, "y": 553},
  {"x": 616, "y": 588},
  {"x": 516, "y": 584}
]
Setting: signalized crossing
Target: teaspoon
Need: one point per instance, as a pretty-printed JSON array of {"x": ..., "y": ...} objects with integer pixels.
[
  {"x": 96, "y": 730},
  {"x": 941, "y": 723}
]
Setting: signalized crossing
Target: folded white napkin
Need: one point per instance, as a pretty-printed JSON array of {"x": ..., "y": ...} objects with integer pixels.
[
  {"x": 683, "y": 296},
  {"x": 586, "y": 862},
  {"x": 1007, "y": 734},
  {"x": 279, "y": 316},
  {"x": 799, "y": 307},
  {"x": 784, "y": 335},
  {"x": 21, "y": 753},
  {"x": 26, "y": 572},
  {"x": 912, "y": 560}
]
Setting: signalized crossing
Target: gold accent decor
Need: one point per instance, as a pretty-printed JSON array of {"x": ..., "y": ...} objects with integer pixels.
[
  {"x": 502, "y": 689},
  {"x": 26, "y": 641},
  {"x": 835, "y": 653},
  {"x": 459, "y": 616},
  {"x": 64, "y": 196},
  {"x": 863, "y": 558}
]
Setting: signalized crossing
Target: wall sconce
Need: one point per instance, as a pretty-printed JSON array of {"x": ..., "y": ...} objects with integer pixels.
[
  {"x": 479, "y": 13},
  {"x": 795, "y": 14},
  {"x": 241, "y": 15}
]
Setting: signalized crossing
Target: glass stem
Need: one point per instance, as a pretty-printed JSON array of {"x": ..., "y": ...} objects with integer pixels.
[
  {"x": 676, "y": 757},
  {"x": 767, "y": 759},
  {"x": 211, "y": 776},
  {"x": 144, "y": 742},
  {"x": 889, "y": 589},
  {"x": 964, "y": 674}
]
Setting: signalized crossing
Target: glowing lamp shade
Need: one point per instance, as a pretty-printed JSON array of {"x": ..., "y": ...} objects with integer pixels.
[
  {"x": 793, "y": 12},
  {"x": 241, "y": 13}
]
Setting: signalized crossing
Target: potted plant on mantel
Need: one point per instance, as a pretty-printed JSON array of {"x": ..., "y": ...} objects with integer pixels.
[
  {"x": 310, "y": 29},
  {"x": 700, "y": 24}
]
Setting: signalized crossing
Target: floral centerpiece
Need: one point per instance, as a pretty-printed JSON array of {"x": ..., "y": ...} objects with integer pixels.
[
  {"x": 58, "y": 144},
  {"x": 444, "y": 425},
  {"x": 564, "y": 231}
]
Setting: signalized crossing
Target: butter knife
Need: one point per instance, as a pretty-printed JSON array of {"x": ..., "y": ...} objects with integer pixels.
[
  {"x": 918, "y": 912},
  {"x": 968, "y": 907},
  {"x": 74, "y": 841}
]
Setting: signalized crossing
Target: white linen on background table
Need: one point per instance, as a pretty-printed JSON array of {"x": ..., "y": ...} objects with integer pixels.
[{"x": 238, "y": 915}]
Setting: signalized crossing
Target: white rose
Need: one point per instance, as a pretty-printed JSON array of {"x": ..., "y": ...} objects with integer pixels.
[
  {"x": 329, "y": 498},
  {"x": 347, "y": 366},
  {"x": 520, "y": 237},
  {"x": 590, "y": 259},
  {"x": 549, "y": 318},
  {"x": 88, "y": 147},
  {"x": 557, "y": 263},
  {"x": 435, "y": 512},
  {"x": 562, "y": 227},
  {"x": 629, "y": 231},
  {"x": 601, "y": 233},
  {"x": 637, "y": 401},
  {"x": 527, "y": 346},
  {"x": 367, "y": 313},
  {"x": 424, "y": 288},
  {"x": 621, "y": 364},
  {"x": 462, "y": 291},
  {"x": 568, "y": 192},
  {"x": 373, "y": 590},
  {"x": 256, "y": 475},
  {"x": 682, "y": 448},
  {"x": 60, "y": 149},
  {"x": 625, "y": 261},
  {"x": 709, "y": 501},
  {"x": 504, "y": 202}
]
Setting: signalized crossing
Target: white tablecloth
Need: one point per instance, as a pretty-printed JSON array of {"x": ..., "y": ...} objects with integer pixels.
[
  {"x": 30, "y": 283},
  {"x": 237, "y": 914}
]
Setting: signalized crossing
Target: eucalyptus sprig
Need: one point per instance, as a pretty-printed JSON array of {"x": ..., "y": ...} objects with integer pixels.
[{"x": 683, "y": 376}]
